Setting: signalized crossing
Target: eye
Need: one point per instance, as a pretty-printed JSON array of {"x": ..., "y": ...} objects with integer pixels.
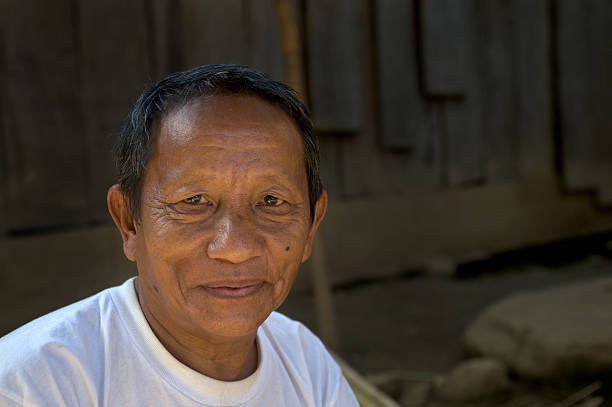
[
  {"x": 271, "y": 200},
  {"x": 195, "y": 200}
]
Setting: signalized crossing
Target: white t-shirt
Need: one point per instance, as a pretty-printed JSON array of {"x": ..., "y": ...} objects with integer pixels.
[{"x": 101, "y": 352}]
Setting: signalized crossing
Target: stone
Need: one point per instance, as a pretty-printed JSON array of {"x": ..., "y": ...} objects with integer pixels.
[
  {"x": 552, "y": 334},
  {"x": 472, "y": 380},
  {"x": 408, "y": 388}
]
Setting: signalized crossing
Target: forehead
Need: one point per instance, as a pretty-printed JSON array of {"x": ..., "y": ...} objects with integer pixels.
[
  {"x": 227, "y": 112},
  {"x": 210, "y": 134}
]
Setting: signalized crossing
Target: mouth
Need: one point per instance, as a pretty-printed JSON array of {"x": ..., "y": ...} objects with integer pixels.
[{"x": 234, "y": 290}]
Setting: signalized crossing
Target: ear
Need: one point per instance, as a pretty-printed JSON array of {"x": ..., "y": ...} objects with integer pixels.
[
  {"x": 120, "y": 211},
  {"x": 320, "y": 210}
]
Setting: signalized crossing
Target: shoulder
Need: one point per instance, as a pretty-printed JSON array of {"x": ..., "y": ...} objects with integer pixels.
[
  {"x": 293, "y": 337},
  {"x": 64, "y": 326},
  {"x": 67, "y": 340},
  {"x": 286, "y": 327},
  {"x": 306, "y": 360}
]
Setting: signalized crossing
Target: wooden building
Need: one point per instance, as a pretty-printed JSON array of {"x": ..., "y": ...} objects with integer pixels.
[{"x": 450, "y": 129}]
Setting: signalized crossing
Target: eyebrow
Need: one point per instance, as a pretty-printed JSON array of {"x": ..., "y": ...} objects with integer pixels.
[{"x": 205, "y": 177}]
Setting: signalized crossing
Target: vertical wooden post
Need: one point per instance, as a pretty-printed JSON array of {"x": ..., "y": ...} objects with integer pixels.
[{"x": 292, "y": 51}]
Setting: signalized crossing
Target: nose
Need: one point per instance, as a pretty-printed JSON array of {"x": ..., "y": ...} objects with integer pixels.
[{"x": 235, "y": 239}]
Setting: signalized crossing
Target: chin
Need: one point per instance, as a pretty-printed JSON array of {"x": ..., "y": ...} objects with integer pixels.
[
  {"x": 234, "y": 325},
  {"x": 229, "y": 321}
]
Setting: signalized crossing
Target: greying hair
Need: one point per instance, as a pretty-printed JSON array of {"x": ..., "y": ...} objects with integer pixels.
[{"x": 133, "y": 145}]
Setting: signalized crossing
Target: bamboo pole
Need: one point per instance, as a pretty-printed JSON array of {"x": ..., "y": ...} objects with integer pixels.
[{"x": 292, "y": 51}]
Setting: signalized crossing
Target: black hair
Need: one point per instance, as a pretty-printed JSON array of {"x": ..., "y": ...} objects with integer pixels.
[{"x": 133, "y": 145}]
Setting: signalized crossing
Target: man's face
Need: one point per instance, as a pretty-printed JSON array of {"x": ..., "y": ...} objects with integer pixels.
[{"x": 225, "y": 219}]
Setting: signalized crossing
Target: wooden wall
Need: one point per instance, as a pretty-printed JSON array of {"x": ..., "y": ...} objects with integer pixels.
[
  {"x": 411, "y": 98},
  {"x": 70, "y": 72}
]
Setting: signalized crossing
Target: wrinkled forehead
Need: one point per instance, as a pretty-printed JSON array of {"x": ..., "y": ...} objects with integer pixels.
[
  {"x": 224, "y": 135},
  {"x": 248, "y": 118}
]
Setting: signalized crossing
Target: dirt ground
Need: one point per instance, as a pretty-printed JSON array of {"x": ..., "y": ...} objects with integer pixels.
[{"x": 412, "y": 325}]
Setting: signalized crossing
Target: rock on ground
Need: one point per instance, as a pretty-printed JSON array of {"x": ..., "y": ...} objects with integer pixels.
[
  {"x": 552, "y": 334},
  {"x": 472, "y": 380}
]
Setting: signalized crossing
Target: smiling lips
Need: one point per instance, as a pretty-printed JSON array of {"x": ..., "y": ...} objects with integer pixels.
[{"x": 234, "y": 290}]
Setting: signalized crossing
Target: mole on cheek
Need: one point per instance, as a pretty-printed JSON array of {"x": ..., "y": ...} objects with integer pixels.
[
  {"x": 155, "y": 288},
  {"x": 287, "y": 248}
]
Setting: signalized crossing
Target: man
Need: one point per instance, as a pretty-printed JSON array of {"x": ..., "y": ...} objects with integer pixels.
[{"x": 218, "y": 202}]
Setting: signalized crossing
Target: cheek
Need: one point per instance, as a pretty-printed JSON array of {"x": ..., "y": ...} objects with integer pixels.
[
  {"x": 165, "y": 251},
  {"x": 168, "y": 239},
  {"x": 286, "y": 242},
  {"x": 285, "y": 250}
]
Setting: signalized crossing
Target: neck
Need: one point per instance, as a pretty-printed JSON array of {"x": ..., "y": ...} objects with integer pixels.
[{"x": 221, "y": 358}]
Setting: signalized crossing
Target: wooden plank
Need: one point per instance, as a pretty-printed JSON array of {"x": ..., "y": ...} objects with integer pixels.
[
  {"x": 367, "y": 167},
  {"x": 496, "y": 31},
  {"x": 443, "y": 33},
  {"x": 45, "y": 152},
  {"x": 264, "y": 44},
  {"x": 584, "y": 50},
  {"x": 211, "y": 32},
  {"x": 579, "y": 143},
  {"x": 465, "y": 154},
  {"x": 359, "y": 161},
  {"x": 336, "y": 56},
  {"x": 534, "y": 96},
  {"x": 516, "y": 119},
  {"x": 447, "y": 134},
  {"x": 113, "y": 77},
  {"x": 402, "y": 111}
]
